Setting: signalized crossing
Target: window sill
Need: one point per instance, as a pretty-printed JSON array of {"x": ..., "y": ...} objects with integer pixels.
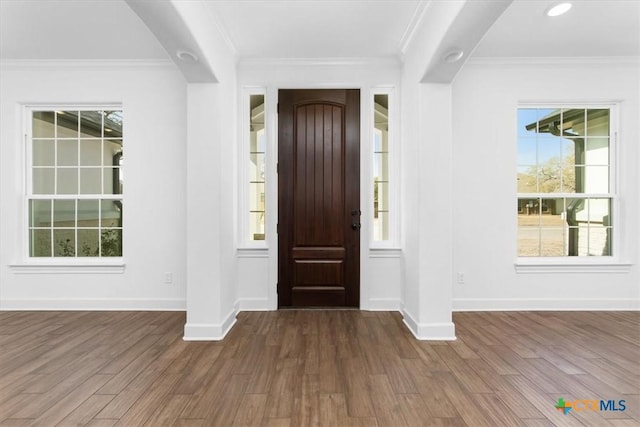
[
  {"x": 253, "y": 252},
  {"x": 561, "y": 265},
  {"x": 81, "y": 267},
  {"x": 379, "y": 252}
]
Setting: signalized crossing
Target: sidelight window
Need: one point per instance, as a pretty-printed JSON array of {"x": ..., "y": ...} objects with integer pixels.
[
  {"x": 255, "y": 161},
  {"x": 75, "y": 182},
  {"x": 566, "y": 196},
  {"x": 381, "y": 179}
]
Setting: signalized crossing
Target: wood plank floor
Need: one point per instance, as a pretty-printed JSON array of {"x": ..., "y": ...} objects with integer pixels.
[{"x": 330, "y": 368}]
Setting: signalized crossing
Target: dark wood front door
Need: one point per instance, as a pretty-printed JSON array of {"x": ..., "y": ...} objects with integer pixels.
[{"x": 319, "y": 198}]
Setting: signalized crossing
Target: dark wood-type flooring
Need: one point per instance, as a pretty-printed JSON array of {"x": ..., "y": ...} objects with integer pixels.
[{"x": 331, "y": 368}]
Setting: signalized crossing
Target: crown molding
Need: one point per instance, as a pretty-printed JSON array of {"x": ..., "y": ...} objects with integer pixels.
[
  {"x": 414, "y": 23},
  {"x": 85, "y": 63},
  {"x": 578, "y": 60},
  {"x": 384, "y": 61}
]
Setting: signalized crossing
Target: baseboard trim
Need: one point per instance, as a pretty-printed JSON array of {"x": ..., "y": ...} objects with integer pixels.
[
  {"x": 429, "y": 331},
  {"x": 546, "y": 304},
  {"x": 210, "y": 331},
  {"x": 96, "y": 304}
]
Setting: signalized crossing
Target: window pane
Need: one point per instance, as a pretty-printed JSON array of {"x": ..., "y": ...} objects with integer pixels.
[
  {"x": 67, "y": 124},
  {"x": 256, "y": 226},
  {"x": 40, "y": 213},
  {"x": 596, "y": 179},
  {"x": 552, "y": 241},
  {"x": 111, "y": 243},
  {"x": 256, "y": 166},
  {"x": 64, "y": 243},
  {"x": 88, "y": 213},
  {"x": 67, "y": 181},
  {"x": 113, "y": 124},
  {"x": 599, "y": 237},
  {"x": 111, "y": 148},
  {"x": 529, "y": 220},
  {"x": 43, "y": 124},
  {"x": 597, "y": 151},
  {"x": 573, "y": 120},
  {"x": 111, "y": 213},
  {"x": 64, "y": 213},
  {"x": 90, "y": 181},
  {"x": 598, "y": 122},
  {"x": 40, "y": 243},
  {"x": 89, "y": 242},
  {"x": 67, "y": 152},
  {"x": 527, "y": 151},
  {"x": 90, "y": 152},
  {"x": 381, "y": 196},
  {"x": 256, "y": 196},
  {"x": 599, "y": 211},
  {"x": 380, "y": 167},
  {"x": 110, "y": 178},
  {"x": 528, "y": 119},
  {"x": 527, "y": 179},
  {"x": 43, "y": 181},
  {"x": 43, "y": 152},
  {"x": 381, "y": 225},
  {"x": 91, "y": 123},
  {"x": 528, "y": 241}
]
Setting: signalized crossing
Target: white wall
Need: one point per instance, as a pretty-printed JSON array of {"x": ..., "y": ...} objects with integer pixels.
[
  {"x": 485, "y": 99},
  {"x": 381, "y": 271},
  {"x": 153, "y": 97}
]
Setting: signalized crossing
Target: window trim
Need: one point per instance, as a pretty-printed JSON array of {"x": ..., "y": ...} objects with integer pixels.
[
  {"x": 46, "y": 265},
  {"x": 582, "y": 264}
]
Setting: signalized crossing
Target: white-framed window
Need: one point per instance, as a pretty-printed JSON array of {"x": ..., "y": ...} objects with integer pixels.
[
  {"x": 74, "y": 182},
  {"x": 565, "y": 181},
  {"x": 253, "y": 158},
  {"x": 384, "y": 185}
]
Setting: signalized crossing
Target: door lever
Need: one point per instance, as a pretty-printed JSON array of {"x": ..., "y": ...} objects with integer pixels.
[{"x": 356, "y": 225}]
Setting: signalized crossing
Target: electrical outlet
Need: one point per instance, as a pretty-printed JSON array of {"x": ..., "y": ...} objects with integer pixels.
[
  {"x": 460, "y": 277},
  {"x": 168, "y": 278}
]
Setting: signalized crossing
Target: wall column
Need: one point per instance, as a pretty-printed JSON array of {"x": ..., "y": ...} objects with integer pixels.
[
  {"x": 207, "y": 318},
  {"x": 428, "y": 207}
]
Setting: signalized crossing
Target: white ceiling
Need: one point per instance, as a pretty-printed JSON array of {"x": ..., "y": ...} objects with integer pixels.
[
  {"x": 74, "y": 29},
  {"x": 591, "y": 28},
  {"x": 316, "y": 29},
  {"x": 109, "y": 29}
]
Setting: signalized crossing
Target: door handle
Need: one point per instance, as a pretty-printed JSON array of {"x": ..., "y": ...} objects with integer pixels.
[{"x": 356, "y": 225}]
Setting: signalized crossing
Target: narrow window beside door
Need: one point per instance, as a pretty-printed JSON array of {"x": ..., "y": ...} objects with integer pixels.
[
  {"x": 256, "y": 167},
  {"x": 381, "y": 211}
]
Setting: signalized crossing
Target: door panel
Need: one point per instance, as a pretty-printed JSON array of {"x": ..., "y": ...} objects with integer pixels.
[{"x": 319, "y": 193}]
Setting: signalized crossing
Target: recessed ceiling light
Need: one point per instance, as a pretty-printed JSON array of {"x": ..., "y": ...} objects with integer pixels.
[
  {"x": 453, "y": 56},
  {"x": 558, "y": 9},
  {"x": 186, "y": 56}
]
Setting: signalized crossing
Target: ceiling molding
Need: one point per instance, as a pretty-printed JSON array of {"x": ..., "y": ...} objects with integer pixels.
[
  {"x": 415, "y": 22},
  {"x": 584, "y": 60},
  {"x": 86, "y": 63},
  {"x": 224, "y": 32},
  {"x": 388, "y": 61}
]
